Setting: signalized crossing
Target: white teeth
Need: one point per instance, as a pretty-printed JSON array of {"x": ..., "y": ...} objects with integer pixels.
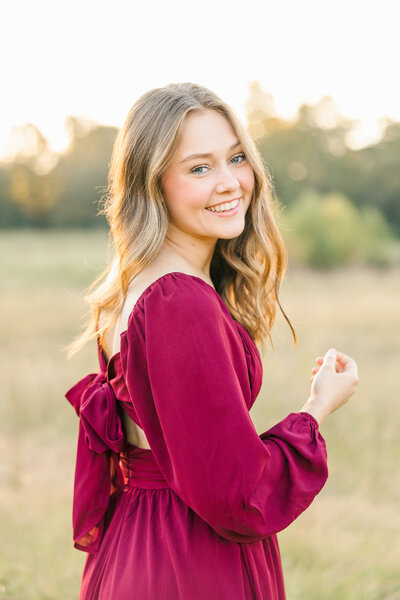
[{"x": 224, "y": 207}]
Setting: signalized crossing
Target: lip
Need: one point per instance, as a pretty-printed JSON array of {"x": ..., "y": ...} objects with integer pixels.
[{"x": 224, "y": 202}]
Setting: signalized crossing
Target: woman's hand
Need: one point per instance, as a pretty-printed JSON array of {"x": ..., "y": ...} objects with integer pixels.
[{"x": 333, "y": 383}]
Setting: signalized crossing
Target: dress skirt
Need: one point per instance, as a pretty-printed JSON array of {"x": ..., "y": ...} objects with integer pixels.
[{"x": 155, "y": 546}]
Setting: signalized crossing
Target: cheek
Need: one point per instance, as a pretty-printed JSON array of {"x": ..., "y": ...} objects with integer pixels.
[
  {"x": 247, "y": 179},
  {"x": 169, "y": 185},
  {"x": 180, "y": 191}
]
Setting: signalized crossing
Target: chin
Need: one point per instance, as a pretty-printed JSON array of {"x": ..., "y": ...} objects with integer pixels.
[{"x": 230, "y": 235}]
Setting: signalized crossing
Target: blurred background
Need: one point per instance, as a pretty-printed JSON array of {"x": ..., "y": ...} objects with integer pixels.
[{"x": 316, "y": 85}]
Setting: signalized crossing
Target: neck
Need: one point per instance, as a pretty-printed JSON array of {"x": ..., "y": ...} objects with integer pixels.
[{"x": 184, "y": 249}]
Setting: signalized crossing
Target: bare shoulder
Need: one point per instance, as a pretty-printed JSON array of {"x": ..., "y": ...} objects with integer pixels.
[
  {"x": 136, "y": 288},
  {"x": 147, "y": 277},
  {"x": 140, "y": 284}
]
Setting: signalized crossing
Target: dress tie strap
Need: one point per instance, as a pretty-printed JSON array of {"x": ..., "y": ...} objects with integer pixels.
[{"x": 98, "y": 475}]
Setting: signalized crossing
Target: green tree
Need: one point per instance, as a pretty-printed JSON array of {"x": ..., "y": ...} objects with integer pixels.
[
  {"x": 81, "y": 174},
  {"x": 311, "y": 152},
  {"x": 329, "y": 231}
]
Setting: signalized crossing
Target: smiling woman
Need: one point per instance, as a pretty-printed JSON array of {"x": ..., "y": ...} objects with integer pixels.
[
  {"x": 222, "y": 184},
  {"x": 176, "y": 496}
]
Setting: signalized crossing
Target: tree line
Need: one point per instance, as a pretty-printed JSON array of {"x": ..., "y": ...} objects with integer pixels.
[{"x": 322, "y": 185}]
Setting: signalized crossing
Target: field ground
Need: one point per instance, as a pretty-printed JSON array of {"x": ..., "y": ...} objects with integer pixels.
[{"x": 346, "y": 546}]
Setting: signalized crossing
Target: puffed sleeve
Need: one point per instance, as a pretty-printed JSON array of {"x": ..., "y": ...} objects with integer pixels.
[{"x": 184, "y": 366}]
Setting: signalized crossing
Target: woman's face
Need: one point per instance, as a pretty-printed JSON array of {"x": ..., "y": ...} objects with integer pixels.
[{"x": 208, "y": 169}]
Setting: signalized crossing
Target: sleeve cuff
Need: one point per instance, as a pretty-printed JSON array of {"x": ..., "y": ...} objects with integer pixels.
[{"x": 312, "y": 419}]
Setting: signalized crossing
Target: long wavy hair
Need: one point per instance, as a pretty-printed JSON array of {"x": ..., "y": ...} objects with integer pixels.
[{"x": 246, "y": 271}]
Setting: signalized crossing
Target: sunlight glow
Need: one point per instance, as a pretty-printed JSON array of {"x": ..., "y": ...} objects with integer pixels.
[{"x": 95, "y": 59}]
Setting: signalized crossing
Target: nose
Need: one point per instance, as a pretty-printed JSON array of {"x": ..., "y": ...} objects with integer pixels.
[{"x": 227, "y": 182}]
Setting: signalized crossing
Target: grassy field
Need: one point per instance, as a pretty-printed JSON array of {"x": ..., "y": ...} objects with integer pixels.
[{"x": 345, "y": 547}]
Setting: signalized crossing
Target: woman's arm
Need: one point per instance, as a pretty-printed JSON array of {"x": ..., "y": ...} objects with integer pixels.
[{"x": 186, "y": 372}]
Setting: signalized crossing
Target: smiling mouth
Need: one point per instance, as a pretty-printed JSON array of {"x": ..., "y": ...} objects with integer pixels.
[{"x": 225, "y": 206}]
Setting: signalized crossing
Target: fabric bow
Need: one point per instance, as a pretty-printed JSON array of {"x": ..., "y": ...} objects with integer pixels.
[{"x": 98, "y": 475}]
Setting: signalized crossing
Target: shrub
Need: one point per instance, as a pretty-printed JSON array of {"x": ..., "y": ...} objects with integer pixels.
[{"x": 329, "y": 231}]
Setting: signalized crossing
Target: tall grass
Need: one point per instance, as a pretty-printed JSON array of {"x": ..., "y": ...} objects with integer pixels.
[{"x": 344, "y": 547}]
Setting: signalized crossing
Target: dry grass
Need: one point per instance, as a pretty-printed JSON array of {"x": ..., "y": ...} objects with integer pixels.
[{"x": 345, "y": 547}]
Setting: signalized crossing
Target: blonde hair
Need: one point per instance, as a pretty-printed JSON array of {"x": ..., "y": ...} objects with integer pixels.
[{"x": 246, "y": 271}]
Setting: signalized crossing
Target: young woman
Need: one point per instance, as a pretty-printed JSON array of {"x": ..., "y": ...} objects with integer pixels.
[{"x": 176, "y": 495}]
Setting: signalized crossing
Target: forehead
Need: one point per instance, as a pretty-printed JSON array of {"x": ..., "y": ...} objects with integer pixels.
[{"x": 205, "y": 131}]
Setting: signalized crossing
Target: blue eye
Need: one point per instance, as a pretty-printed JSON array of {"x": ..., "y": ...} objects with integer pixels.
[
  {"x": 202, "y": 169},
  {"x": 240, "y": 156},
  {"x": 197, "y": 171}
]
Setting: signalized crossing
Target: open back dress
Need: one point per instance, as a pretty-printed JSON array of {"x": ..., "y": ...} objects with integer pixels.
[{"x": 195, "y": 517}]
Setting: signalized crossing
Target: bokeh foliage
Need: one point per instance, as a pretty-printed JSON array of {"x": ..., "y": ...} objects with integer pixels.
[
  {"x": 338, "y": 201},
  {"x": 328, "y": 231}
]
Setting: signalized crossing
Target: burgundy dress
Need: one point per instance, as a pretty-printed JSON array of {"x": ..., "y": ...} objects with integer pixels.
[{"x": 195, "y": 517}]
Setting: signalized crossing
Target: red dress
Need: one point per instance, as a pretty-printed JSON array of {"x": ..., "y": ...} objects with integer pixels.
[{"x": 195, "y": 517}]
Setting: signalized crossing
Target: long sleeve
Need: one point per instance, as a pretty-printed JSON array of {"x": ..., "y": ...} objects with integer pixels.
[{"x": 186, "y": 373}]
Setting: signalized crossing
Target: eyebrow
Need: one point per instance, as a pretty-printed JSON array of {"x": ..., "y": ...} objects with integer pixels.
[{"x": 207, "y": 154}]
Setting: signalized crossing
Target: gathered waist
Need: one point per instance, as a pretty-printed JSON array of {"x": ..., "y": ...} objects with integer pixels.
[{"x": 140, "y": 469}]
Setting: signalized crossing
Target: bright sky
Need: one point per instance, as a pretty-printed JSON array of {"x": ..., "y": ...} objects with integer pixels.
[{"x": 94, "y": 58}]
